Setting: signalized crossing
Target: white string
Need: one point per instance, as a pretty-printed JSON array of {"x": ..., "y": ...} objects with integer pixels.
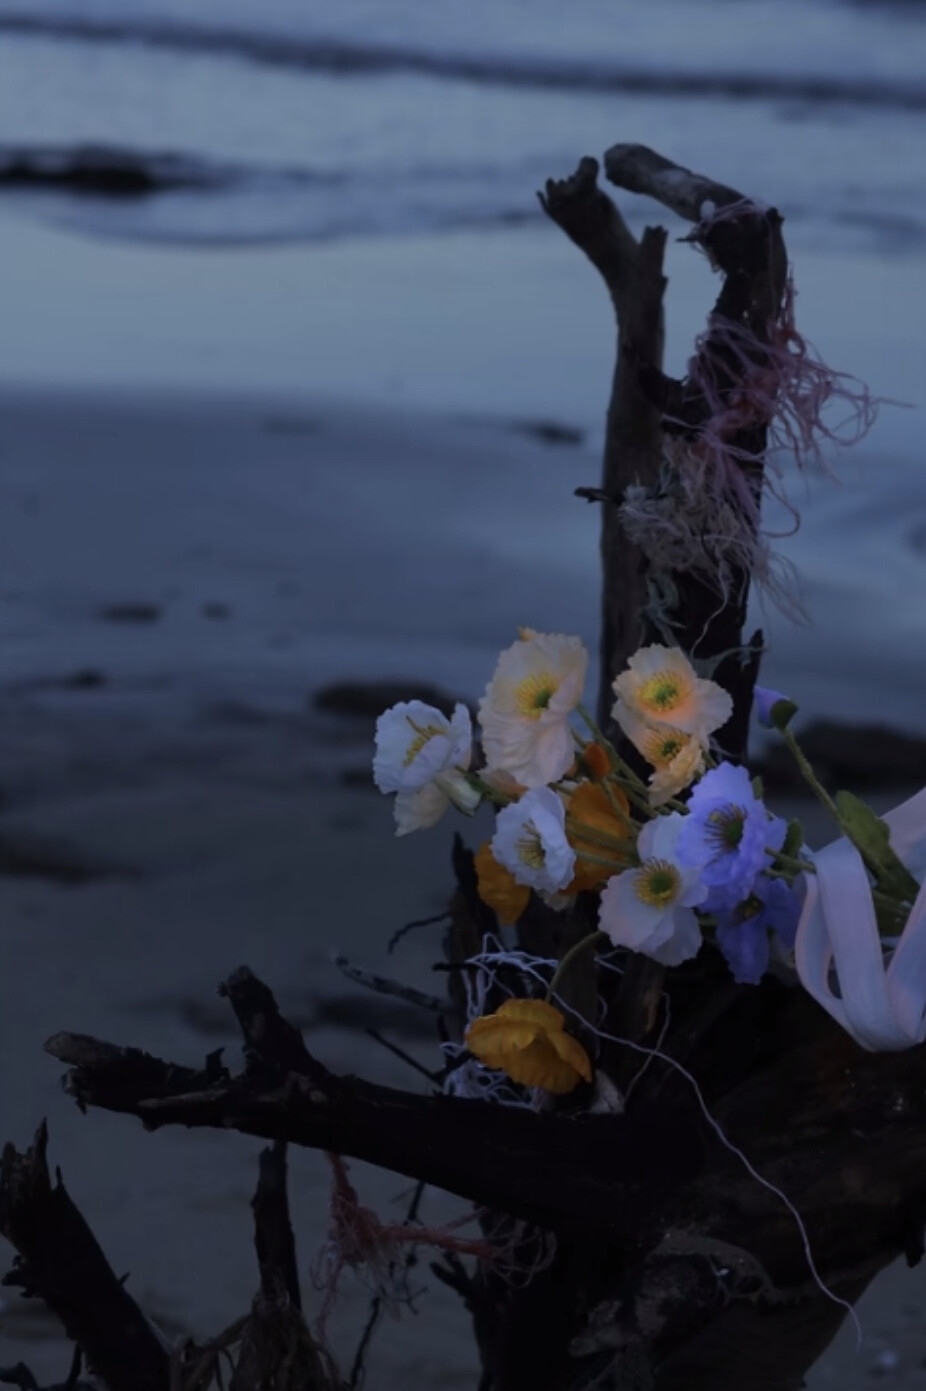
[
  {"x": 529, "y": 965},
  {"x": 744, "y": 1160}
]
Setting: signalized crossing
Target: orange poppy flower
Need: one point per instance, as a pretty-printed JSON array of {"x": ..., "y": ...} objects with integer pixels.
[
  {"x": 498, "y": 886},
  {"x": 596, "y": 760},
  {"x": 591, "y": 806},
  {"x": 527, "y": 1040}
]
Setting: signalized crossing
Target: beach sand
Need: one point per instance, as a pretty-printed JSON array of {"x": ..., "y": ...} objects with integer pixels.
[{"x": 180, "y": 576}]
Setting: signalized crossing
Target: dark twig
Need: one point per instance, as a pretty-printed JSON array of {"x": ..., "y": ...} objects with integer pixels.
[
  {"x": 403, "y": 931},
  {"x": 20, "y": 1376},
  {"x": 398, "y": 1052},
  {"x": 272, "y": 1046},
  {"x": 383, "y": 986},
  {"x": 358, "y": 1369}
]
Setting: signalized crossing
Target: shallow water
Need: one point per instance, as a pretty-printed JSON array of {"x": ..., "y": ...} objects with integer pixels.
[{"x": 336, "y": 120}]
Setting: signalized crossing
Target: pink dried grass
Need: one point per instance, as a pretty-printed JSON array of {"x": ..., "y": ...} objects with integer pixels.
[
  {"x": 767, "y": 387},
  {"x": 358, "y": 1239}
]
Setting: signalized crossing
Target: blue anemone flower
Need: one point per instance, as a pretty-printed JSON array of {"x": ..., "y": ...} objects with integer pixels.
[
  {"x": 728, "y": 833},
  {"x": 742, "y": 932}
]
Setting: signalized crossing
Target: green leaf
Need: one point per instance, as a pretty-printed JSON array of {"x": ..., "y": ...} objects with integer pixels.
[
  {"x": 794, "y": 839},
  {"x": 871, "y": 837}
]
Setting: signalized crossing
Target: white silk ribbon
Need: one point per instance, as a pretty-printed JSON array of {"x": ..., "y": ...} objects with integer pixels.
[{"x": 881, "y": 1004}]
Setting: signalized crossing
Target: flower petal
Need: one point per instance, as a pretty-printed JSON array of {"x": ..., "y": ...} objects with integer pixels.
[
  {"x": 571, "y": 1052},
  {"x": 417, "y": 811},
  {"x": 745, "y": 946},
  {"x": 498, "y": 887}
]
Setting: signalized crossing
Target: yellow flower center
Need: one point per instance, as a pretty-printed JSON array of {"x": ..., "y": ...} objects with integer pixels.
[
  {"x": 657, "y": 883},
  {"x": 662, "y": 692},
  {"x": 534, "y": 693},
  {"x": 530, "y": 850},
  {"x": 660, "y": 749},
  {"x": 422, "y": 735}
]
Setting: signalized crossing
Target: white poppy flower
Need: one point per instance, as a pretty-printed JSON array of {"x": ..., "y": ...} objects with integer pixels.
[
  {"x": 525, "y": 711},
  {"x": 423, "y": 757},
  {"x": 661, "y": 688},
  {"x": 650, "y": 909},
  {"x": 530, "y": 841},
  {"x": 415, "y": 743}
]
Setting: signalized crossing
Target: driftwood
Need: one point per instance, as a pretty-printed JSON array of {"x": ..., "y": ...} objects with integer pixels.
[
  {"x": 60, "y": 1261},
  {"x": 697, "y": 1252},
  {"x": 680, "y": 1264}
]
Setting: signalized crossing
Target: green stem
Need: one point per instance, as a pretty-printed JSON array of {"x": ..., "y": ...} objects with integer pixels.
[
  {"x": 810, "y": 776},
  {"x": 792, "y": 862},
  {"x": 619, "y": 810},
  {"x": 593, "y": 939},
  {"x": 623, "y": 768},
  {"x": 491, "y": 794},
  {"x": 616, "y": 866}
]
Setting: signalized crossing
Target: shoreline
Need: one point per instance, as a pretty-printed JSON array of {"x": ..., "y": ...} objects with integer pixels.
[{"x": 215, "y": 545}]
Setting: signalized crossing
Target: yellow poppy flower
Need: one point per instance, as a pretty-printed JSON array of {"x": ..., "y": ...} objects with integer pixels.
[
  {"x": 527, "y": 1040},
  {"x": 591, "y": 806},
  {"x": 498, "y": 886}
]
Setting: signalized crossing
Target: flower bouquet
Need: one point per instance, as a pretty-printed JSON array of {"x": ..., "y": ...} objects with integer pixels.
[{"x": 686, "y": 855}]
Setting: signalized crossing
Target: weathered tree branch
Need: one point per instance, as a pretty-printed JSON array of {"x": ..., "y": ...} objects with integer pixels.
[
  {"x": 277, "y": 1352},
  {"x": 639, "y": 169},
  {"x": 60, "y": 1261},
  {"x": 705, "y": 621},
  {"x": 273, "y": 1232},
  {"x": 425, "y": 1137},
  {"x": 648, "y": 1200},
  {"x": 632, "y": 272}
]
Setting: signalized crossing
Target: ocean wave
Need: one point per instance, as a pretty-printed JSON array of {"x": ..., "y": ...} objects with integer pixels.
[
  {"x": 162, "y": 197},
  {"x": 167, "y": 198},
  {"x": 347, "y": 57}
]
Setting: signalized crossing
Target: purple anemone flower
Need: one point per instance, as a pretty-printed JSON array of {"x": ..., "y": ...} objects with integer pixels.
[
  {"x": 728, "y": 833},
  {"x": 742, "y": 932}
]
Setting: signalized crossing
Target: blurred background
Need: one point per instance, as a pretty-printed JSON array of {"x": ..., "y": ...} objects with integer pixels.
[{"x": 296, "y": 384}]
